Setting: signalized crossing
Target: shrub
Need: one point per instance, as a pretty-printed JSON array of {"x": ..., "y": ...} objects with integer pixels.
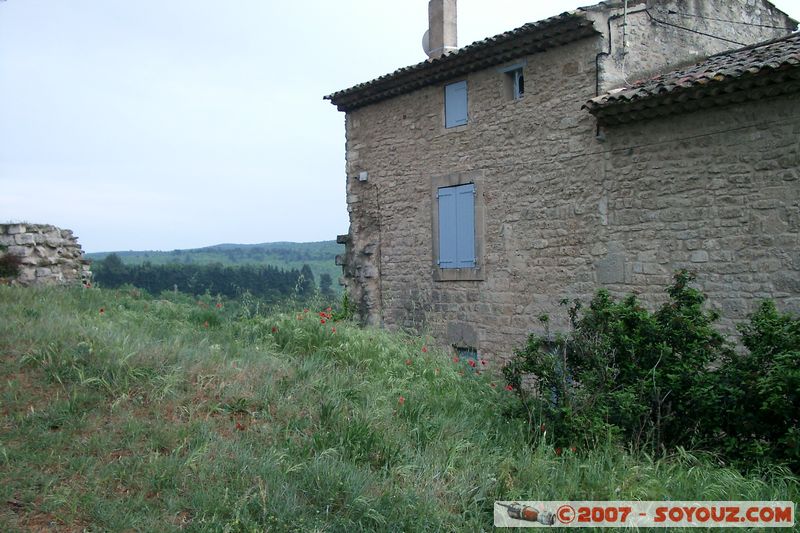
[
  {"x": 662, "y": 380},
  {"x": 760, "y": 392}
]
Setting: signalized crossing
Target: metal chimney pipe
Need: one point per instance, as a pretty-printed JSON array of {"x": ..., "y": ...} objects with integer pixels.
[{"x": 442, "y": 28}]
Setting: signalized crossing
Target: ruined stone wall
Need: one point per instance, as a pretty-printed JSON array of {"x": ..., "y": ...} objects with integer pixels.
[
  {"x": 48, "y": 255},
  {"x": 564, "y": 214}
]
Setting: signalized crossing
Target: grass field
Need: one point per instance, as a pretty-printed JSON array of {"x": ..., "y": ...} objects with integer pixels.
[{"x": 123, "y": 413}]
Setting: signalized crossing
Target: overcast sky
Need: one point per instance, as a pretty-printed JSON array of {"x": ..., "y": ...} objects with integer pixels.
[{"x": 186, "y": 123}]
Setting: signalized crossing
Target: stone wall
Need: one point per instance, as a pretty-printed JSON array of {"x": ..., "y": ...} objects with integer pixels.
[
  {"x": 654, "y": 40},
  {"x": 48, "y": 255},
  {"x": 563, "y": 213}
]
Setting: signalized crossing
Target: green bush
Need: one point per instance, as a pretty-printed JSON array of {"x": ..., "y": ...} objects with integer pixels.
[
  {"x": 760, "y": 392},
  {"x": 657, "y": 381}
]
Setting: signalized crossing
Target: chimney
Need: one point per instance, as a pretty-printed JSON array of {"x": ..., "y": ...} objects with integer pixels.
[{"x": 442, "y": 30}]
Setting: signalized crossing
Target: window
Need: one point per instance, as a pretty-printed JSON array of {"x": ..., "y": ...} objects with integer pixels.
[
  {"x": 457, "y": 226},
  {"x": 458, "y": 214},
  {"x": 514, "y": 80},
  {"x": 455, "y": 104},
  {"x": 468, "y": 354},
  {"x": 517, "y": 83}
]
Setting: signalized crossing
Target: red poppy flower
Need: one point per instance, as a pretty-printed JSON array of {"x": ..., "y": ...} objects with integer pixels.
[
  {"x": 472, "y": 363},
  {"x": 573, "y": 449},
  {"x": 102, "y": 310},
  {"x": 333, "y": 330},
  {"x": 274, "y": 329},
  {"x": 483, "y": 362},
  {"x": 329, "y": 309},
  {"x": 509, "y": 387},
  {"x": 424, "y": 349},
  {"x": 321, "y": 320},
  {"x": 239, "y": 426},
  {"x": 455, "y": 359},
  {"x": 401, "y": 400},
  {"x": 219, "y": 305},
  {"x": 558, "y": 451}
]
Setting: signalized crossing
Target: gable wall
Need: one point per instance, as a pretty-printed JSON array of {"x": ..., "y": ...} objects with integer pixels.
[{"x": 539, "y": 192}]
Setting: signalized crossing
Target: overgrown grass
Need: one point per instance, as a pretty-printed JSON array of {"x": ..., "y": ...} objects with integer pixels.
[{"x": 165, "y": 414}]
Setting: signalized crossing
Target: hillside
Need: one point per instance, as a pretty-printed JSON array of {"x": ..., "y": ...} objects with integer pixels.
[
  {"x": 123, "y": 412},
  {"x": 285, "y": 255}
]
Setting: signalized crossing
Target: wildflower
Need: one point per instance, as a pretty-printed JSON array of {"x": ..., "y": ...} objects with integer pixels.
[
  {"x": 558, "y": 451},
  {"x": 321, "y": 320},
  {"x": 333, "y": 330},
  {"x": 483, "y": 362},
  {"x": 455, "y": 359},
  {"x": 408, "y": 361},
  {"x": 492, "y": 385},
  {"x": 329, "y": 309},
  {"x": 305, "y": 310},
  {"x": 102, "y": 310},
  {"x": 401, "y": 400},
  {"x": 424, "y": 349},
  {"x": 509, "y": 387},
  {"x": 472, "y": 363},
  {"x": 274, "y": 329},
  {"x": 219, "y": 305},
  {"x": 573, "y": 449},
  {"x": 240, "y": 426}
]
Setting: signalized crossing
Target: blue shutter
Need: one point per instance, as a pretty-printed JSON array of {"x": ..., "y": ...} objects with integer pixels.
[
  {"x": 465, "y": 215},
  {"x": 457, "y": 226},
  {"x": 448, "y": 228},
  {"x": 455, "y": 104}
]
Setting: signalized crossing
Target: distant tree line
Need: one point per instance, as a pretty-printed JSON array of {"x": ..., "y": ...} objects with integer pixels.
[{"x": 267, "y": 282}]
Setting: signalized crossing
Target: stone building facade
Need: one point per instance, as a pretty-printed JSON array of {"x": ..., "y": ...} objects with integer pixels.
[
  {"x": 564, "y": 203},
  {"x": 47, "y": 255}
]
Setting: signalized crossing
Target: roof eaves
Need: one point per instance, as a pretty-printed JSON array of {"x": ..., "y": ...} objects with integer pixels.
[
  {"x": 764, "y": 69},
  {"x": 530, "y": 38}
]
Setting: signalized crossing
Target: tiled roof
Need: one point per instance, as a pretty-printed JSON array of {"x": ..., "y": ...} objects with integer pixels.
[
  {"x": 530, "y": 38},
  {"x": 756, "y": 71}
]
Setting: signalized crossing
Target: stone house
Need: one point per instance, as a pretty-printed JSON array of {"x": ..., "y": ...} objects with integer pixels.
[{"x": 490, "y": 182}]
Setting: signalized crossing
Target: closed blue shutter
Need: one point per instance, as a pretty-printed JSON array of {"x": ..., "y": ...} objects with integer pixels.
[
  {"x": 457, "y": 226},
  {"x": 448, "y": 228},
  {"x": 455, "y": 104},
  {"x": 465, "y": 214}
]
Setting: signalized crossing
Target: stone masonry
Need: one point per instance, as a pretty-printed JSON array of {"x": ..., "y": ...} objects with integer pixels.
[
  {"x": 48, "y": 255},
  {"x": 564, "y": 211}
]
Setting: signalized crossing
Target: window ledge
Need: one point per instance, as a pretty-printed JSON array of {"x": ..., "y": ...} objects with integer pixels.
[{"x": 458, "y": 274}]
